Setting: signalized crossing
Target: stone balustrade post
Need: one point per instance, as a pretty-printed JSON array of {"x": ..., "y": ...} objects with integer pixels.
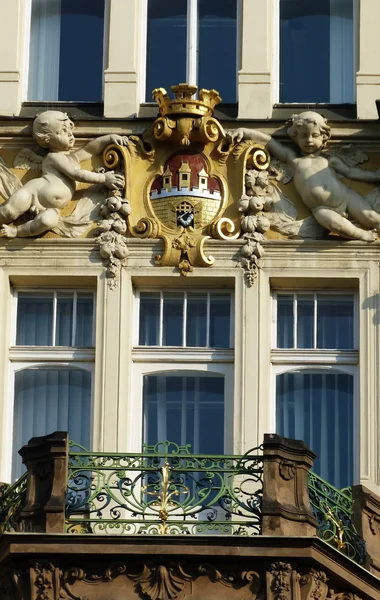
[
  {"x": 366, "y": 518},
  {"x": 46, "y": 459},
  {"x": 286, "y": 506}
]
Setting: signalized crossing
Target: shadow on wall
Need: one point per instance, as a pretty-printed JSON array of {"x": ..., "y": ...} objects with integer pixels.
[{"x": 373, "y": 302}]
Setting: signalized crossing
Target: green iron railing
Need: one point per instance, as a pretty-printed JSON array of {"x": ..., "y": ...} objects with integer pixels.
[
  {"x": 333, "y": 510},
  {"x": 12, "y": 499},
  {"x": 164, "y": 490}
]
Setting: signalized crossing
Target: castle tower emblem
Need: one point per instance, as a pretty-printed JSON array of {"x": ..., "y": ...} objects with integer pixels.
[{"x": 185, "y": 195}]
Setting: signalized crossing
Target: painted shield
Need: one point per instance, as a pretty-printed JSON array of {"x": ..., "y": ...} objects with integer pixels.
[{"x": 185, "y": 195}]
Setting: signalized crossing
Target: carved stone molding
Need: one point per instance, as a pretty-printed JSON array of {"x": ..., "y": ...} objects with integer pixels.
[
  {"x": 44, "y": 582},
  {"x": 313, "y": 585},
  {"x": 279, "y": 580},
  {"x": 162, "y": 582},
  {"x": 287, "y": 469}
]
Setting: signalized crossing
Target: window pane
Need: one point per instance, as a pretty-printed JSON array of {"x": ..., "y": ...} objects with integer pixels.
[
  {"x": 149, "y": 331},
  {"x": 60, "y": 29},
  {"x": 305, "y": 321},
  {"x": 34, "y": 319},
  {"x": 166, "y": 44},
  {"x": 196, "y": 325},
  {"x": 64, "y": 324},
  {"x": 172, "y": 333},
  {"x": 318, "y": 408},
  {"x": 316, "y": 51},
  {"x": 335, "y": 320},
  {"x": 220, "y": 317},
  {"x": 217, "y": 21},
  {"x": 285, "y": 320},
  {"x": 48, "y": 400},
  {"x": 84, "y": 323},
  {"x": 185, "y": 410}
]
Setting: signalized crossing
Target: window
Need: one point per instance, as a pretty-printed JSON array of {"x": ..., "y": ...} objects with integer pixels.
[
  {"x": 316, "y": 51},
  {"x": 183, "y": 367},
  {"x": 315, "y": 361},
  {"x": 188, "y": 34},
  {"x": 52, "y": 366},
  {"x": 66, "y": 50}
]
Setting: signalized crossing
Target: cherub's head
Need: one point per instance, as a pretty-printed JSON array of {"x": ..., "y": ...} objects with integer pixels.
[
  {"x": 310, "y": 131},
  {"x": 54, "y": 130}
]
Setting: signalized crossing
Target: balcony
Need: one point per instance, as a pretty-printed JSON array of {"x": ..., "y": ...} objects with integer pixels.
[{"x": 166, "y": 495}]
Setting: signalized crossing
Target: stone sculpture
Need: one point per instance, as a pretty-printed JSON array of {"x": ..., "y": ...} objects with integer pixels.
[
  {"x": 335, "y": 206},
  {"x": 45, "y": 196}
]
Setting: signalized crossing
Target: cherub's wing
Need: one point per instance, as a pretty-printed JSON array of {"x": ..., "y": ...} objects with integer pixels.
[
  {"x": 9, "y": 183},
  {"x": 282, "y": 217},
  {"x": 280, "y": 171},
  {"x": 27, "y": 159},
  {"x": 350, "y": 154}
]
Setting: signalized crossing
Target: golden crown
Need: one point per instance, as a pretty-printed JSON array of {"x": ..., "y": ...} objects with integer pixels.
[{"x": 184, "y": 103}]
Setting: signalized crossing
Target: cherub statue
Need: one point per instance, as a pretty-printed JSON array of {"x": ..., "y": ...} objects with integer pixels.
[
  {"x": 44, "y": 196},
  {"x": 316, "y": 177}
]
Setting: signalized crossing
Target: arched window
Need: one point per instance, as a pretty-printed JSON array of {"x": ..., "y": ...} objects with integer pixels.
[
  {"x": 317, "y": 406},
  {"x": 50, "y": 399}
]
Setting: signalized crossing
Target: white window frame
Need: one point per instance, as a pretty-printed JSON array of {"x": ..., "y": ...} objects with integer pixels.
[
  {"x": 191, "y": 45},
  {"x": 184, "y": 291},
  {"x": 45, "y": 357},
  {"x": 276, "y": 50},
  {"x": 289, "y": 360},
  {"x": 179, "y": 361},
  {"x": 26, "y": 49}
]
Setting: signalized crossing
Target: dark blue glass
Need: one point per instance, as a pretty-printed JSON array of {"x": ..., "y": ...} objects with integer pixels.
[
  {"x": 196, "y": 323},
  {"x": 217, "y": 61},
  {"x": 305, "y": 321},
  {"x": 34, "y": 319},
  {"x": 317, "y": 407},
  {"x": 172, "y": 328},
  {"x": 166, "y": 44},
  {"x": 220, "y": 320},
  {"x": 314, "y": 37},
  {"x": 285, "y": 321},
  {"x": 81, "y": 50},
  {"x": 335, "y": 322},
  {"x": 149, "y": 326}
]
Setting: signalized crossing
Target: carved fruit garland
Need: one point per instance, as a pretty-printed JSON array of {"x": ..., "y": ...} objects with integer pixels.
[
  {"x": 254, "y": 224},
  {"x": 112, "y": 229}
]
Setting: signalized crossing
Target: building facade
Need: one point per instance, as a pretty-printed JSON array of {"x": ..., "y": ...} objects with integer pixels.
[{"x": 200, "y": 266}]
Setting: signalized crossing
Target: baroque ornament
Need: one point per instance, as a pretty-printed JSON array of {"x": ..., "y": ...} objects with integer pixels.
[{"x": 334, "y": 207}]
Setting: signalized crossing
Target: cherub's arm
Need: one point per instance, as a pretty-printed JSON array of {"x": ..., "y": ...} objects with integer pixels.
[
  {"x": 62, "y": 163},
  {"x": 98, "y": 145},
  {"x": 278, "y": 150},
  {"x": 353, "y": 172}
]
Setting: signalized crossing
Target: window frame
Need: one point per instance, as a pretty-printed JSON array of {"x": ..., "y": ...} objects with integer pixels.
[
  {"x": 27, "y": 23},
  {"x": 318, "y": 361},
  {"x": 179, "y": 361},
  {"x": 47, "y": 357},
  {"x": 277, "y": 57},
  {"x": 191, "y": 46}
]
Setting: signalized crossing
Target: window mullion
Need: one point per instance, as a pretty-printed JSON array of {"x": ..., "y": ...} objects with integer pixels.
[
  {"x": 54, "y": 328},
  {"x": 295, "y": 318},
  {"x": 208, "y": 321},
  {"x": 161, "y": 318},
  {"x": 192, "y": 41},
  {"x": 315, "y": 322},
  {"x": 74, "y": 323},
  {"x": 184, "y": 323}
]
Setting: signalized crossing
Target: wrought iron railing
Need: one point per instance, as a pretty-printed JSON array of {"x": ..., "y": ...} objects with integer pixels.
[
  {"x": 12, "y": 499},
  {"x": 333, "y": 510},
  {"x": 164, "y": 490}
]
